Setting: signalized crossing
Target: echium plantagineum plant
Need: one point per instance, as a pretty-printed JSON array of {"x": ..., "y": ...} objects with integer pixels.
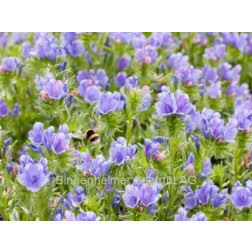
[{"x": 125, "y": 126}]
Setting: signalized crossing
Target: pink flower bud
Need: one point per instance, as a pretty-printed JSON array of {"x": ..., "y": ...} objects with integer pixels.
[
  {"x": 145, "y": 89},
  {"x": 147, "y": 60},
  {"x": 214, "y": 58},
  {"x": 44, "y": 95},
  {"x": 189, "y": 84},
  {"x": 231, "y": 95},
  {"x": 247, "y": 130},
  {"x": 160, "y": 157},
  {"x": 191, "y": 169},
  {"x": 1, "y": 69},
  {"x": 85, "y": 174},
  {"x": 220, "y": 140},
  {"x": 118, "y": 41},
  {"x": 219, "y": 94}
]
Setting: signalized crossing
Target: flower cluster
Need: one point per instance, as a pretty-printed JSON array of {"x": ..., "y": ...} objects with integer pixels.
[
  {"x": 57, "y": 142},
  {"x": 125, "y": 126}
]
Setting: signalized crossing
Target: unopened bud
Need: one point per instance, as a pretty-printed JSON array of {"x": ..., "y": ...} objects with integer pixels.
[{"x": 160, "y": 157}]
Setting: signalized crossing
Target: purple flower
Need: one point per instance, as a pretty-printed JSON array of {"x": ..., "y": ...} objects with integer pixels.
[
  {"x": 120, "y": 79},
  {"x": 91, "y": 93},
  {"x": 177, "y": 61},
  {"x": 69, "y": 216},
  {"x": 3, "y": 38},
  {"x": 97, "y": 166},
  {"x": 210, "y": 74},
  {"x": 32, "y": 175},
  {"x": 123, "y": 62},
  {"x": 48, "y": 137},
  {"x": 87, "y": 216},
  {"x": 132, "y": 81},
  {"x": 215, "y": 53},
  {"x": 214, "y": 90},
  {"x": 207, "y": 168},
  {"x": 183, "y": 103},
  {"x": 72, "y": 45},
  {"x": 36, "y": 134},
  {"x": 206, "y": 192},
  {"x": 220, "y": 199},
  {"x": 16, "y": 110},
  {"x": 150, "y": 175},
  {"x": 55, "y": 90},
  {"x": 166, "y": 104},
  {"x": 76, "y": 198},
  {"x": 109, "y": 103},
  {"x": 19, "y": 37},
  {"x": 244, "y": 119},
  {"x": 119, "y": 152},
  {"x": 60, "y": 143},
  {"x": 169, "y": 103},
  {"x": 212, "y": 125},
  {"x": 146, "y": 55},
  {"x": 190, "y": 198},
  {"x": 181, "y": 215},
  {"x": 151, "y": 149},
  {"x": 4, "y": 110},
  {"x": 99, "y": 78},
  {"x": 189, "y": 75},
  {"x": 241, "y": 197},
  {"x": 149, "y": 194},
  {"x": 230, "y": 130},
  {"x": 189, "y": 164},
  {"x": 131, "y": 196},
  {"x": 199, "y": 217},
  {"x": 27, "y": 50},
  {"x": 229, "y": 73},
  {"x": 11, "y": 64},
  {"x": 46, "y": 47}
]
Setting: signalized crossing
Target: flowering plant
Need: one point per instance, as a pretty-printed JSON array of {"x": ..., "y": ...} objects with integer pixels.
[{"x": 125, "y": 126}]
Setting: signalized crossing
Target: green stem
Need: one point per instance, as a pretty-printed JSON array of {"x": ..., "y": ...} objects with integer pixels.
[
  {"x": 39, "y": 210},
  {"x": 129, "y": 129}
]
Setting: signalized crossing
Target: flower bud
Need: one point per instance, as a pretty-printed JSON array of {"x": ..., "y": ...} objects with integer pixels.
[{"x": 160, "y": 157}]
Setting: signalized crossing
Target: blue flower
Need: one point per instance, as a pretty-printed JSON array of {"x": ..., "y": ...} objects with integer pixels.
[
  {"x": 169, "y": 104},
  {"x": 33, "y": 175},
  {"x": 95, "y": 166},
  {"x": 119, "y": 152},
  {"x": 131, "y": 196},
  {"x": 178, "y": 60},
  {"x": 11, "y": 64},
  {"x": 140, "y": 193},
  {"x": 151, "y": 149},
  {"x": 206, "y": 192},
  {"x": 110, "y": 103},
  {"x": 87, "y": 216},
  {"x": 123, "y": 62},
  {"x": 4, "y": 110},
  {"x": 72, "y": 45},
  {"x": 91, "y": 93},
  {"x": 54, "y": 90},
  {"x": 207, "y": 168},
  {"x": 46, "y": 47},
  {"x": 241, "y": 197},
  {"x": 190, "y": 198},
  {"x": 149, "y": 194},
  {"x": 182, "y": 216},
  {"x": 36, "y": 134},
  {"x": 76, "y": 198},
  {"x": 120, "y": 79},
  {"x": 215, "y": 53}
]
